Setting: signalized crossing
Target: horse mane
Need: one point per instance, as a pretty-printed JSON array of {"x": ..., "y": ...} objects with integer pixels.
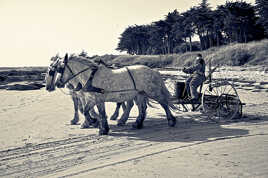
[
  {"x": 89, "y": 62},
  {"x": 82, "y": 60}
]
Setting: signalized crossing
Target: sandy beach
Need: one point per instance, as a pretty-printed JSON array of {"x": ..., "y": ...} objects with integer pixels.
[{"x": 36, "y": 138}]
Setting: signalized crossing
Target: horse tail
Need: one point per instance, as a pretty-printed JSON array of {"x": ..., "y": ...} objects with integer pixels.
[
  {"x": 168, "y": 98},
  {"x": 148, "y": 100}
]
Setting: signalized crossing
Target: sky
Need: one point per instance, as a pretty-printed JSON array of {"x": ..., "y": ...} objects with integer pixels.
[{"x": 32, "y": 31}]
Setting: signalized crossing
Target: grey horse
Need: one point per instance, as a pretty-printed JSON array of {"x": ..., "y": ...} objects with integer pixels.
[
  {"x": 78, "y": 100},
  {"x": 134, "y": 82}
]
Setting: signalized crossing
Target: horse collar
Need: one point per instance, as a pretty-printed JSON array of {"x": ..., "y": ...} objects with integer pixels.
[{"x": 89, "y": 87}]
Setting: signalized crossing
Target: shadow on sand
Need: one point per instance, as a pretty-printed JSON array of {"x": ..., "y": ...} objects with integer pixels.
[{"x": 187, "y": 129}]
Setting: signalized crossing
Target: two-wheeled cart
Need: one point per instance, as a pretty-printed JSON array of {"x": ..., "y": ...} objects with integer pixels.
[{"x": 218, "y": 99}]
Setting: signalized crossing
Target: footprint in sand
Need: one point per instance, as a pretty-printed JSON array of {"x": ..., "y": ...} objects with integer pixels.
[
  {"x": 259, "y": 87},
  {"x": 252, "y": 86},
  {"x": 255, "y": 90}
]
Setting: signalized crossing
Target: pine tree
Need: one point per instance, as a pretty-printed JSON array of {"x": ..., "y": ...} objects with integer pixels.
[
  {"x": 204, "y": 4},
  {"x": 262, "y": 12}
]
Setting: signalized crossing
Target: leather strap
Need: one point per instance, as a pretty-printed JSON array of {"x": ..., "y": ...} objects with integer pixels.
[{"x": 132, "y": 78}]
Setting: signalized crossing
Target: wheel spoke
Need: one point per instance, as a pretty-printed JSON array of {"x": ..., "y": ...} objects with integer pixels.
[
  {"x": 222, "y": 102},
  {"x": 224, "y": 88}
]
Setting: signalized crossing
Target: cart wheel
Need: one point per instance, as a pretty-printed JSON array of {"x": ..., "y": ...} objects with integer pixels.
[{"x": 220, "y": 101}]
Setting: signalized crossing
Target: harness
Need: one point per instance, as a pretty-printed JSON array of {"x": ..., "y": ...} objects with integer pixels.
[
  {"x": 132, "y": 78},
  {"x": 88, "y": 86}
]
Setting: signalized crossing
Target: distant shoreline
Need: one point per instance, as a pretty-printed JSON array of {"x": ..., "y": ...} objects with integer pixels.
[{"x": 23, "y": 68}]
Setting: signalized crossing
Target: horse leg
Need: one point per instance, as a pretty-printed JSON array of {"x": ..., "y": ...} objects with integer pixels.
[
  {"x": 171, "y": 119},
  {"x": 142, "y": 106},
  {"x": 76, "y": 114},
  {"x": 88, "y": 119},
  {"x": 89, "y": 115},
  {"x": 103, "y": 126},
  {"x": 122, "y": 121},
  {"x": 124, "y": 106},
  {"x": 116, "y": 112},
  {"x": 92, "y": 116},
  {"x": 162, "y": 97}
]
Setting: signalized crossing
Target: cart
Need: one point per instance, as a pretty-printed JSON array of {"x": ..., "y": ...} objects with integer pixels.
[{"x": 218, "y": 99}]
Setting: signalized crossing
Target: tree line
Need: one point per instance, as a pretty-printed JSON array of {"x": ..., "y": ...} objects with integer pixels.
[{"x": 232, "y": 22}]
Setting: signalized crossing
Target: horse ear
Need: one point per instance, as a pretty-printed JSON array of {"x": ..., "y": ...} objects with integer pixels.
[{"x": 66, "y": 58}]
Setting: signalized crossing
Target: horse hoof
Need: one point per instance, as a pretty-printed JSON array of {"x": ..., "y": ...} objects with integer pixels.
[
  {"x": 120, "y": 124},
  {"x": 92, "y": 120},
  {"x": 74, "y": 122},
  {"x": 95, "y": 124},
  {"x": 172, "y": 123},
  {"x": 137, "y": 125},
  {"x": 84, "y": 126},
  {"x": 103, "y": 132}
]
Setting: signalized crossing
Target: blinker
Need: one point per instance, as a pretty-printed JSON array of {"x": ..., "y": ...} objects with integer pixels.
[
  {"x": 51, "y": 72},
  {"x": 60, "y": 70}
]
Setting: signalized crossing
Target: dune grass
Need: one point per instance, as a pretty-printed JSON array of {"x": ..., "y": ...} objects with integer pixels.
[
  {"x": 235, "y": 54},
  {"x": 153, "y": 61}
]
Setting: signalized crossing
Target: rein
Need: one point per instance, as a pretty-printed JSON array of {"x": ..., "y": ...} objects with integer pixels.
[{"x": 74, "y": 75}]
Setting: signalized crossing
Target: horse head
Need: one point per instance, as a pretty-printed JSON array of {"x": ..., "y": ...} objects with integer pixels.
[
  {"x": 51, "y": 73},
  {"x": 68, "y": 70}
]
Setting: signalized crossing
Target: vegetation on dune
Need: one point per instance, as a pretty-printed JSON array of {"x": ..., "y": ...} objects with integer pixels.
[
  {"x": 153, "y": 61},
  {"x": 234, "y": 54},
  {"x": 253, "y": 53}
]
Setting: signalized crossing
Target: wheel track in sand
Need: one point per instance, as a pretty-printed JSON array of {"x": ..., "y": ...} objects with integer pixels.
[
  {"x": 55, "y": 157},
  {"x": 45, "y": 158}
]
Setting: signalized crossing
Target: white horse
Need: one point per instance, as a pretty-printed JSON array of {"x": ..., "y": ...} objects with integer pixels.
[
  {"x": 78, "y": 100},
  {"x": 134, "y": 82}
]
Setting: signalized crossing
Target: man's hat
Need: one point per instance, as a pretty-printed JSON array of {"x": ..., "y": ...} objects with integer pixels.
[{"x": 199, "y": 55}]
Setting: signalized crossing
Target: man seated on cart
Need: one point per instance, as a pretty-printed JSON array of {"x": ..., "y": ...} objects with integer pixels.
[{"x": 197, "y": 77}]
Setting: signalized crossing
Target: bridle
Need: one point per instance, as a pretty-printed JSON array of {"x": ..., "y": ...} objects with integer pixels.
[
  {"x": 52, "y": 68},
  {"x": 62, "y": 69}
]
